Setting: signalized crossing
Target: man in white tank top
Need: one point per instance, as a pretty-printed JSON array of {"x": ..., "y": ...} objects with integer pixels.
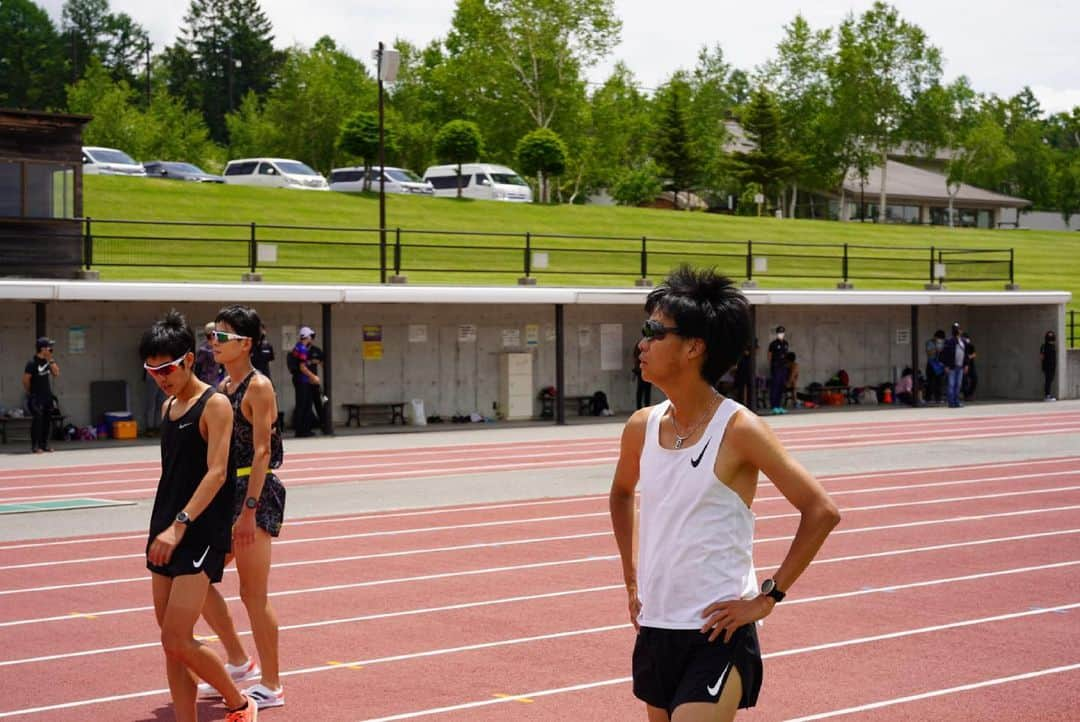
[{"x": 695, "y": 459}]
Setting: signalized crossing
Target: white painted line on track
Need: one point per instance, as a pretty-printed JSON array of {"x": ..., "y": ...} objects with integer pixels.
[
  {"x": 763, "y": 540},
  {"x": 939, "y": 692}
]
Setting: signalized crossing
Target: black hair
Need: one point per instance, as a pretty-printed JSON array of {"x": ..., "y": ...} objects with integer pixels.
[
  {"x": 939, "y": 334},
  {"x": 790, "y": 356},
  {"x": 171, "y": 336},
  {"x": 703, "y": 304},
  {"x": 907, "y": 371},
  {"x": 243, "y": 320}
]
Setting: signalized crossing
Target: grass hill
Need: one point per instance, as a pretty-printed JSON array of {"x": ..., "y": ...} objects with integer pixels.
[{"x": 1043, "y": 260}]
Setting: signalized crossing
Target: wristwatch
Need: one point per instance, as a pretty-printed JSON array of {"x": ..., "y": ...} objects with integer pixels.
[
  {"x": 183, "y": 518},
  {"x": 768, "y": 589},
  {"x": 251, "y": 502}
]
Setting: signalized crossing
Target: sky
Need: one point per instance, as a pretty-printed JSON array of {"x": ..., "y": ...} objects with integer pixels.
[{"x": 1000, "y": 45}]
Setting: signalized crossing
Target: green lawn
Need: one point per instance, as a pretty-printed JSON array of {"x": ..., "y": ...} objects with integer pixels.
[{"x": 1043, "y": 260}]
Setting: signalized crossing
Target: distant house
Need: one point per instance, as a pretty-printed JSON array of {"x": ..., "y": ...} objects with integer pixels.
[
  {"x": 916, "y": 192},
  {"x": 40, "y": 193}
]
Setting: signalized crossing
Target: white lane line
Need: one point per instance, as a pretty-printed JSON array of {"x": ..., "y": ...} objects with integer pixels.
[
  {"x": 386, "y": 615},
  {"x": 856, "y": 530},
  {"x": 475, "y": 525},
  {"x": 939, "y": 692},
  {"x": 570, "y": 500},
  {"x": 542, "y": 637},
  {"x": 784, "y": 653},
  {"x": 922, "y": 439}
]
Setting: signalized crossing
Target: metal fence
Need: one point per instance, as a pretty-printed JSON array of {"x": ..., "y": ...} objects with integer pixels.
[
  {"x": 1072, "y": 329},
  {"x": 369, "y": 255}
]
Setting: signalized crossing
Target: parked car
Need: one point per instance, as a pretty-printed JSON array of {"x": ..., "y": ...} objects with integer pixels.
[
  {"x": 173, "y": 170},
  {"x": 109, "y": 161},
  {"x": 274, "y": 173},
  {"x": 482, "y": 181},
  {"x": 395, "y": 180}
]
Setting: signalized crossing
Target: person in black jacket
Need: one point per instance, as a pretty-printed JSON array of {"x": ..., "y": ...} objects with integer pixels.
[
  {"x": 954, "y": 358},
  {"x": 1048, "y": 358}
]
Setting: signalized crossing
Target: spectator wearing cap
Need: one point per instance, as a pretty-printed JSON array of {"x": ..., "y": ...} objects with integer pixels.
[
  {"x": 955, "y": 360},
  {"x": 36, "y": 383},
  {"x": 206, "y": 367},
  {"x": 778, "y": 370},
  {"x": 304, "y": 382}
]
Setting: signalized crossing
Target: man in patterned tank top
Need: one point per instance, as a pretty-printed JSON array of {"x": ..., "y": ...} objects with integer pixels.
[{"x": 695, "y": 459}]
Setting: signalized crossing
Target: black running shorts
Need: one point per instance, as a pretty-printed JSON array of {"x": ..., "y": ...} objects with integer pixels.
[
  {"x": 192, "y": 559},
  {"x": 676, "y": 666}
]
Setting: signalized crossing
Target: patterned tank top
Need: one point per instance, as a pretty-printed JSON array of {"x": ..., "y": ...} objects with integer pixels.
[{"x": 243, "y": 445}]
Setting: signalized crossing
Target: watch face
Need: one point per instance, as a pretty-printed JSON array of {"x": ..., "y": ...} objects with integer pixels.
[
  {"x": 767, "y": 586},
  {"x": 250, "y": 502},
  {"x": 183, "y": 518}
]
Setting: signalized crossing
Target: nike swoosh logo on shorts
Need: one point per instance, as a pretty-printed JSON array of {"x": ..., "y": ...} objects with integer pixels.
[
  {"x": 715, "y": 689},
  {"x": 198, "y": 562},
  {"x": 694, "y": 462}
]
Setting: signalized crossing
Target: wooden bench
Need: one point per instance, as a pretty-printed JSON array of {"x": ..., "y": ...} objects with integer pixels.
[
  {"x": 357, "y": 412},
  {"x": 17, "y": 426}
]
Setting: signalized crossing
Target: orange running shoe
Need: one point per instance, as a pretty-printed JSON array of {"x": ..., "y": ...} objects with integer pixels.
[{"x": 249, "y": 713}]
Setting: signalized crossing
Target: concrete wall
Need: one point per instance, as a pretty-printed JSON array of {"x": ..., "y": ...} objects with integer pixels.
[{"x": 454, "y": 377}]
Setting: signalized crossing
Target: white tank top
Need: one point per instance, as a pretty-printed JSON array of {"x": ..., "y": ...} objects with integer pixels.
[{"x": 695, "y": 535}]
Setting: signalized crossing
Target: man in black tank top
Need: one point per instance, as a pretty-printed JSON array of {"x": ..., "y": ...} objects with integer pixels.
[
  {"x": 258, "y": 510},
  {"x": 189, "y": 525}
]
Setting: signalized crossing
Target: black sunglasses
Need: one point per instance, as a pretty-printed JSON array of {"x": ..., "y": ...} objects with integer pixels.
[{"x": 655, "y": 331}]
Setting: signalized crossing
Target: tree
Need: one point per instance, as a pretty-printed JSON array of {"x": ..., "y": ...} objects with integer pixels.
[
  {"x": 771, "y": 163},
  {"x": 116, "y": 40},
  {"x": 459, "y": 141},
  {"x": 673, "y": 150},
  {"x": 223, "y": 51},
  {"x": 634, "y": 186},
  {"x": 883, "y": 65},
  {"x": 542, "y": 153},
  {"x": 360, "y": 137},
  {"x": 1067, "y": 186},
  {"x": 32, "y": 61}
]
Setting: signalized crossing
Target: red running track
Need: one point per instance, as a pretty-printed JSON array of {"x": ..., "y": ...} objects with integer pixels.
[
  {"x": 947, "y": 592},
  {"x": 138, "y": 480}
]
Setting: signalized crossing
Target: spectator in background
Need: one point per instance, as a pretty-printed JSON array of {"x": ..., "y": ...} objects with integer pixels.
[
  {"x": 303, "y": 380},
  {"x": 954, "y": 358},
  {"x": 778, "y": 351},
  {"x": 971, "y": 376},
  {"x": 153, "y": 399},
  {"x": 318, "y": 399},
  {"x": 206, "y": 368},
  {"x": 935, "y": 370},
  {"x": 39, "y": 396},
  {"x": 792, "y": 376},
  {"x": 1048, "y": 358},
  {"x": 262, "y": 353},
  {"x": 744, "y": 377},
  {"x": 644, "y": 388},
  {"x": 905, "y": 387}
]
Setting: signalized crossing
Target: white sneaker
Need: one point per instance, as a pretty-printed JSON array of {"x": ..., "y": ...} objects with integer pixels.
[
  {"x": 265, "y": 697},
  {"x": 1050, "y": 398},
  {"x": 240, "y": 673}
]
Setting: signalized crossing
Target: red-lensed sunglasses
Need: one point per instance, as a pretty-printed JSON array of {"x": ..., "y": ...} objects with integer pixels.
[{"x": 165, "y": 369}]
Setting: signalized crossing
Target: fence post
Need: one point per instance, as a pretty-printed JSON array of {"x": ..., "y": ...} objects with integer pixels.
[
  {"x": 528, "y": 254},
  {"x": 932, "y": 253},
  {"x": 749, "y": 260},
  {"x": 252, "y": 249},
  {"x": 1072, "y": 329},
  {"x": 397, "y": 251},
  {"x": 88, "y": 245},
  {"x": 644, "y": 259},
  {"x": 845, "y": 263}
]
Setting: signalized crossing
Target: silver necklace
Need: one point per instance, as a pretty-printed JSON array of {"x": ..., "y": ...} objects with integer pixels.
[{"x": 681, "y": 437}]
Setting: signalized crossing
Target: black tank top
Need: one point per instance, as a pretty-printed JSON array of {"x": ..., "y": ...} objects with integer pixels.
[{"x": 183, "y": 466}]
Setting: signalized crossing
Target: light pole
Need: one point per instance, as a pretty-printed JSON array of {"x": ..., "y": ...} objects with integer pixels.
[{"x": 387, "y": 66}]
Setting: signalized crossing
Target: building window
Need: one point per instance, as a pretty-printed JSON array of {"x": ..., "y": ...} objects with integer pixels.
[{"x": 49, "y": 189}]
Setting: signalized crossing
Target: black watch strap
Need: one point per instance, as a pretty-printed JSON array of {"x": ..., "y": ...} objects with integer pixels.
[{"x": 769, "y": 589}]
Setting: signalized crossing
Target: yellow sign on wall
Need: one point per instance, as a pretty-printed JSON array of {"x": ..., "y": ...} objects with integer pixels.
[{"x": 371, "y": 347}]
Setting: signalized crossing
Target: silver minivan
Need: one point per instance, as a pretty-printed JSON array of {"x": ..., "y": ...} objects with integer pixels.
[
  {"x": 274, "y": 173},
  {"x": 395, "y": 180}
]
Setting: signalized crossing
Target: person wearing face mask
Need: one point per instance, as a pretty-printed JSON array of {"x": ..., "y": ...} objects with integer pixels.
[
  {"x": 778, "y": 371},
  {"x": 1048, "y": 357},
  {"x": 935, "y": 370},
  {"x": 954, "y": 357}
]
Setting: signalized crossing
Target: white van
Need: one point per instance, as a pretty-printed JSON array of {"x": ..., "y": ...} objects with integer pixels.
[
  {"x": 109, "y": 161},
  {"x": 274, "y": 173},
  {"x": 395, "y": 180},
  {"x": 479, "y": 180}
]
